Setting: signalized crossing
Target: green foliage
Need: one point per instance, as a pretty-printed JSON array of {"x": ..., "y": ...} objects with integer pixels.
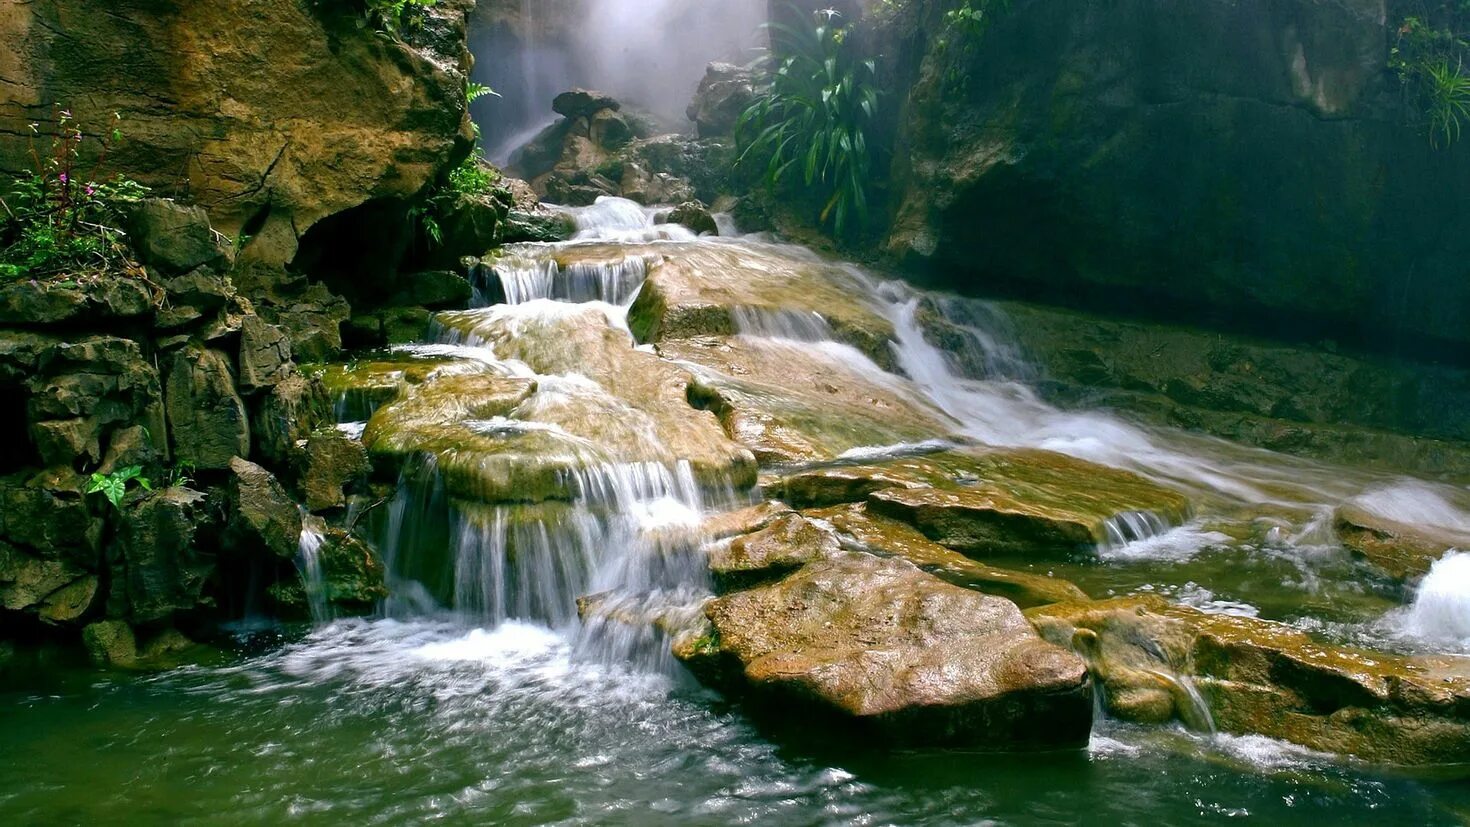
[
  {"x": 964, "y": 27},
  {"x": 114, "y": 486},
  {"x": 63, "y": 215},
  {"x": 473, "y": 178},
  {"x": 393, "y": 17},
  {"x": 812, "y": 127},
  {"x": 1430, "y": 51}
]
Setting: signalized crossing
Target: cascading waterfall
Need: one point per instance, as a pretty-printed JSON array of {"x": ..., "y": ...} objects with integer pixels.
[
  {"x": 309, "y": 563},
  {"x": 1440, "y": 613}
]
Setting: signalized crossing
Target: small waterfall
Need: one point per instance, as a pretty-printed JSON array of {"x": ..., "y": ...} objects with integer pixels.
[
  {"x": 1132, "y": 527},
  {"x": 1440, "y": 613},
  {"x": 523, "y": 279},
  {"x": 309, "y": 563},
  {"x": 1189, "y": 704},
  {"x": 796, "y": 325}
]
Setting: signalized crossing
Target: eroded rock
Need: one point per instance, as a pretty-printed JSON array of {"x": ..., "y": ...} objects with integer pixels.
[
  {"x": 206, "y": 418},
  {"x": 263, "y": 518},
  {"x": 164, "y": 558},
  {"x": 1256, "y": 676},
  {"x": 909, "y": 657},
  {"x": 788, "y": 543}
]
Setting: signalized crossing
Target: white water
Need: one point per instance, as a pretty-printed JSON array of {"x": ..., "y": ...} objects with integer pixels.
[
  {"x": 1440, "y": 613},
  {"x": 309, "y": 563}
]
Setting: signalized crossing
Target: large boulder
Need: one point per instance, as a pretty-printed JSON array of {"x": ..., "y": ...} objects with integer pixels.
[
  {"x": 31, "y": 302},
  {"x": 174, "y": 238},
  {"x": 771, "y": 552},
  {"x": 206, "y": 418},
  {"x": 265, "y": 354},
  {"x": 55, "y": 591},
  {"x": 46, "y": 514},
  {"x": 164, "y": 556},
  {"x": 335, "y": 463},
  {"x": 724, "y": 94},
  {"x": 278, "y": 113},
  {"x": 352, "y": 580},
  {"x": 85, "y": 392},
  {"x": 1155, "y": 661},
  {"x": 879, "y": 644},
  {"x": 263, "y": 519},
  {"x": 583, "y": 103}
]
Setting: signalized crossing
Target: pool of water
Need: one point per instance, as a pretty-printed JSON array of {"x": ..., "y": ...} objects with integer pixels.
[{"x": 388, "y": 722}]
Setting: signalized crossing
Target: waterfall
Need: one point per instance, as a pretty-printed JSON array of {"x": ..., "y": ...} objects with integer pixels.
[
  {"x": 309, "y": 563},
  {"x": 1440, "y": 613},
  {"x": 796, "y": 325}
]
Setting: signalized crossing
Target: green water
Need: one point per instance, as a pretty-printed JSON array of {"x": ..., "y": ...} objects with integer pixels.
[{"x": 406, "y": 723}]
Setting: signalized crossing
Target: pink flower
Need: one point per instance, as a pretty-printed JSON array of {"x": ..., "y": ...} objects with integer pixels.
[{"x": 62, "y": 177}]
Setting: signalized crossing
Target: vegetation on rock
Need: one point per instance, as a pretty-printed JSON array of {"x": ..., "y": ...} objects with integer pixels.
[
  {"x": 1429, "y": 54},
  {"x": 64, "y": 215},
  {"x": 813, "y": 126}
]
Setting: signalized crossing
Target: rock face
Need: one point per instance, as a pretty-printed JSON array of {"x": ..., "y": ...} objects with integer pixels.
[
  {"x": 723, "y": 95},
  {"x": 1261, "y": 677},
  {"x": 272, "y": 114},
  {"x": 206, "y": 417},
  {"x": 1402, "y": 551},
  {"x": 1252, "y": 166},
  {"x": 905, "y": 656},
  {"x": 164, "y": 556}
]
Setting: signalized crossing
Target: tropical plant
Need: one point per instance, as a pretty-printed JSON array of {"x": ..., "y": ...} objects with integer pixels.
[
  {"x": 1430, "y": 51},
  {"x": 114, "y": 486},
  {"x": 813, "y": 126},
  {"x": 63, "y": 215}
]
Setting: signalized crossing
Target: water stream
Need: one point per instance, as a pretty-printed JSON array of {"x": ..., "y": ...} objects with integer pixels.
[{"x": 479, "y": 696}]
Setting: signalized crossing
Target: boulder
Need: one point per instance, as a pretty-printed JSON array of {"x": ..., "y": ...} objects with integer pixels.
[
  {"x": 583, "y": 103},
  {"x": 263, "y": 519},
  {"x": 111, "y": 643},
  {"x": 609, "y": 130},
  {"x": 312, "y": 319},
  {"x": 352, "y": 578},
  {"x": 265, "y": 354},
  {"x": 986, "y": 502},
  {"x": 47, "y": 514},
  {"x": 335, "y": 463},
  {"x": 694, "y": 216},
  {"x": 174, "y": 238},
  {"x": 206, "y": 418},
  {"x": 910, "y": 659},
  {"x": 56, "y": 591},
  {"x": 437, "y": 289},
  {"x": 288, "y": 415},
  {"x": 164, "y": 556},
  {"x": 1258, "y": 677},
  {"x": 539, "y": 225},
  {"x": 770, "y": 553},
  {"x": 1401, "y": 550},
  {"x": 724, "y": 94},
  {"x": 85, "y": 391},
  {"x": 860, "y": 530}
]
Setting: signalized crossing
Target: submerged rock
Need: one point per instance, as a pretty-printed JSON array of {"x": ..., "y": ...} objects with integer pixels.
[
  {"x": 908, "y": 657},
  {"x": 1255, "y": 676}
]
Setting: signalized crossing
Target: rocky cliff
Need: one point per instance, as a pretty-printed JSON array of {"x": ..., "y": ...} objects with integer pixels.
[
  {"x": 1251, "y": 166},
  {"x": 271, "y": 114}
]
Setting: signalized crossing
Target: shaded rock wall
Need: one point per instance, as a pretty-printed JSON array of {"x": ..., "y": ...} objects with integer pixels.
[
  {"x": 1251, "y": 166},
  {"x": 272, "y": 114}
]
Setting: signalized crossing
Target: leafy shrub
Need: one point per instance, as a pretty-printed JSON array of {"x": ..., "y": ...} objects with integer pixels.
[
  {"x": 61, "y": 217},
  {"x": 472, "y": 178},
  {"x": 812, "y": 125},
  {"x": 393, "y": 17},
  {"x": 114, "y": 486},
  {"x": 1429, "y": 53}
]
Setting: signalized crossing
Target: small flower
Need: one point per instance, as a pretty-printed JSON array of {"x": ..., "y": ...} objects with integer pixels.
[{"x": 62, "y": 177}]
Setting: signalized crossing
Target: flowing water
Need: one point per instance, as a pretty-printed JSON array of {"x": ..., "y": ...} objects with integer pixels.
[{"x": 480, "y": 697}]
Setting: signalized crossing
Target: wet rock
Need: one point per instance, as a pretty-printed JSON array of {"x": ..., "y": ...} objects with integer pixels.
[
  {"x": 791, "y": 403},
  {"x": 334, "y": 463},
  {"x": 111, "y": 643},
  {"x": 312, "y": 321},
  {"x": 743, "y": 521},
  {"x": 265, "y": 355},
  {"x": 724, "y": 94},
  {"x": 471, "y": 226},
  {"x": 911, "y": 659},
  {"x": 262, "y": 516},
  {"x": 172, "y": 237},
  {"x": 884, "y": 537},
  {"x": 993, "y": 502},
  {"x": 163, "y": 558},
  {"x": 509, "y": 439},
  {"x": 701, "y": 293},
  {"x": 58, "y": 302},
  {"x": 206, "y": 418},
  {"x": 202, "y": 289},
  {"x": 1255, "y": 676},
  {"x": 353, "y": 579},
  {"x": 694, "y": 216},
  {"x": 787, "y": 544},
  {"x": 609, "y": 130},
  {"x": 583, "y": 103},
  {"x": 1401, "y": 550},
  {"x": 287, "y": 416},
  {"x": 542, "y": 225}
]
